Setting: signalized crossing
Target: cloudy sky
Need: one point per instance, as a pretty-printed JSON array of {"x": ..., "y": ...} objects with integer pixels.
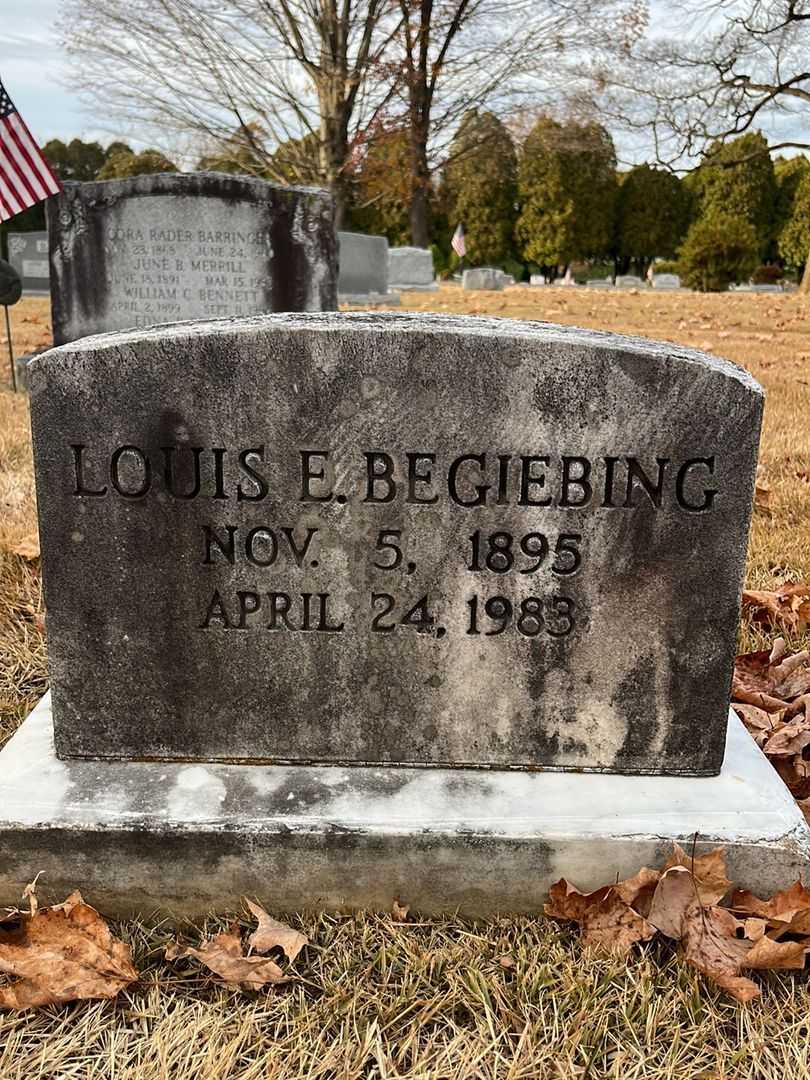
[{"x": 34, "y": 72}]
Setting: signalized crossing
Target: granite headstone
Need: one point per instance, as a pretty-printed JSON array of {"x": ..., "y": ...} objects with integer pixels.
[
  {"x": 393, "y": 539},
  {"x": 168, "y": 247},
  {"x": 28, "y": 254},
  {"x": 411, "y": 269},
  {"x": 363, "y": 266},
  {"x": 483, "y": 277}
]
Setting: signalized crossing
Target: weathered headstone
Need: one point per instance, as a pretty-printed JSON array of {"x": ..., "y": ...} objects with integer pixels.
[
  {"x": 170, "y": 247},
  {"x": 363, "y": 273},
  {"x": 629, "y": 281},
  {"x": 537, "y": 279},
  {"x": 666, "y": 281},
  {"x": 28, "y": 254},
  {"x": 411, "y": 269},
  {"x": 228, "y": 513},
  {"x": 346, "y": 542},
  {"x": 483, "y": 277}
]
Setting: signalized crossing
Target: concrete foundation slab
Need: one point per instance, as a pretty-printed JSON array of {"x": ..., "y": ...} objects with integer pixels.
[{"x": 189, "y": 838}]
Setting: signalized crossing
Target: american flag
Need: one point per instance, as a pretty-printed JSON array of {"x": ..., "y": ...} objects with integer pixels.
[
  {"x": 457, "y": 243},
  {"x": 25, "y": 175}
]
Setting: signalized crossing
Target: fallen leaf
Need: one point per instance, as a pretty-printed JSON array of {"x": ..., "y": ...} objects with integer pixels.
[
  {"x": 771, "y": 680},
  {"x": 711, "y": 945},
  {"x": 708, "y": 871},
  {"x": 785, "y": 912},
  {"x": 399, "y": 911},
  {"x": 759, "y": 723},
  {"x": 607, "y": 922},
  {"x": 270, "y": 934},
  {"x": 28, "y": 547},
  {"x": 675, "y": 894},
  {"x": 62, "y": 953},
  {"x": 788, "y": 607},
  {"x": 790, "y": 738},
  {"x": 225, "y": 957},
  {"x": 507, "y": 962}
]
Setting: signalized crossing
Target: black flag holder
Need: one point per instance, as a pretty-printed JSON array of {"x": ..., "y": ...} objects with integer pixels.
[
  {"x": 10, "y": 293},
  {"x": 10, "y": 351}
]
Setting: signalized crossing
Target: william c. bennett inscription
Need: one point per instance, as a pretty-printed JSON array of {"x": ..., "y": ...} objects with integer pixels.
[{"x": 393, "y": 539}]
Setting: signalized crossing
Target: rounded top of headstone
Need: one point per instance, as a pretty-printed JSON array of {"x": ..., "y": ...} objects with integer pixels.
[
  {"x": 10, "y": 284},
  {"x": 217, "y": 185},
  {"x": 585, "y": 343}
]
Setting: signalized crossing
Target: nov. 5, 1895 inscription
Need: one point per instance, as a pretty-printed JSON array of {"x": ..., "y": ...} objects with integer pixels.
[{"x": 384, "y": 539}]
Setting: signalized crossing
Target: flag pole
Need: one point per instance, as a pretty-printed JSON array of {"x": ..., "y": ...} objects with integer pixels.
[{"x": 10, "y": 351}]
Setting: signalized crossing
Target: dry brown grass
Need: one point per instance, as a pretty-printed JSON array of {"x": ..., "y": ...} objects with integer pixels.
[
  {"x": 431, "y": 1001},
  {"x": 378, "y": 1001}
]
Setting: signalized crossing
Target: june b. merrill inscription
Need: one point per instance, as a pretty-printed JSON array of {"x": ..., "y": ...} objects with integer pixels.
[
  {"x": 392, "y": 539},
  {"x": 162, "y": 248}
]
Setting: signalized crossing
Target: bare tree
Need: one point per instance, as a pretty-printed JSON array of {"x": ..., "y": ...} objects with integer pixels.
[
  {"x": 456, "y": 55},
  {"x": 728, "y": 67},
  {"x": 245, "y": 78}
]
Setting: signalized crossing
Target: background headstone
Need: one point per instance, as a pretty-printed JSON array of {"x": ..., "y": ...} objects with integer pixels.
[
  {"x": 411, "y": 268},
  {"x": 629, "y": 281},
  {"x": 363, "y": 262},
  {"x": 393, "y": 539},
  {"x": 169, "y": 247},
  {"x": 483, "y": 277},
  {"x": 28, "y": 254},
  {"x": 666, "y": 281},
  {"x": 10, "y": 284}
]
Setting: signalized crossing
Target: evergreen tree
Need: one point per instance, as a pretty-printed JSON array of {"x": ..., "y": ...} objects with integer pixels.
[
  {"x": 794, "y": 235},
  {"x": 76, "y": 160},
  {"x": 567, "y": 189},
  {"x": 652, "y": 215},
  {"x": 737, "y": 179},
  {"x": 719, "y": 249},
  {"x": 481, "y": 186},
  {"x": 125, "y": 163}
]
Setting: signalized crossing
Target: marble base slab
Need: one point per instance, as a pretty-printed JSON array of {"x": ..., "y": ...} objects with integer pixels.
[{"x": 189, "y": 838}]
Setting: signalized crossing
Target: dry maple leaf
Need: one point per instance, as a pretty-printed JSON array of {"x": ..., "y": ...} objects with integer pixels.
[
  {"x": 225, "y": 957},
  {"x": 762, "y": 491},
  {"x": 787, "y": 911},
  {"x": 399, "y": 911},
  {"x": 788, "y": 606},
  {"x": 607, "y": 922},
  {"x": 62, "y": 953},
  {"x": 270, "y": 934},
  {"x": 708, "y": 871}
]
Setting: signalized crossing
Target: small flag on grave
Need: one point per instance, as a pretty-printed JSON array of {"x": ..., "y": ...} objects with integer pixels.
[
  {"x": 457, "y": 243},
  {"x": 26, "y": 177}
]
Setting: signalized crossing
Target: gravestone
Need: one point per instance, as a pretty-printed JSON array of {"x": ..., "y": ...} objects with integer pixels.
[
  {"x": 363, "y": 268},
  {"x": 28, "y": 254},
  {"x": 629, "y": 281},
  {"x": 483, "y": 277},
  {"x": 329, "y": 595},
  {"x": 666, "y": 281},
  {"x": 411, "y": 269},
  {"x": 169, "y": 247},
  {"x": 599, "y": 283},
  {"x": 415, "y": 509}
]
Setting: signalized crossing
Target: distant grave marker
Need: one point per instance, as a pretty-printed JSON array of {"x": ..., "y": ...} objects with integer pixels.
[{"x": 172, "y": 247}]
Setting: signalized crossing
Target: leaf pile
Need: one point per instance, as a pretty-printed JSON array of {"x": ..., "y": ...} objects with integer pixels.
[
  {"x": 682, "y": 902},
  {"x": 771, "y": 694},
  {"x": 61, "y": 953},
  {"x": 240, "y": 967}
]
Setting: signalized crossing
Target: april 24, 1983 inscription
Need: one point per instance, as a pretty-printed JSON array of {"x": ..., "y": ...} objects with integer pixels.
[{"x": 384, "y": 539}]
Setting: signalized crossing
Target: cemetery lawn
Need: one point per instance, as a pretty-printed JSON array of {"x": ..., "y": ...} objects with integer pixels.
[{"x": 511, "y": 997}]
